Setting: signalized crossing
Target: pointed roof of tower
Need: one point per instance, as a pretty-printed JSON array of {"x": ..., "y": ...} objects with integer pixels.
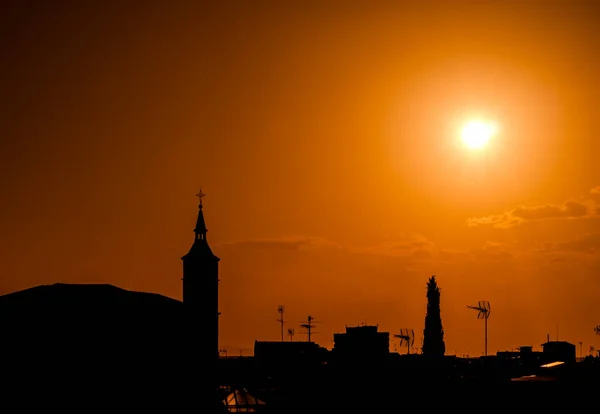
[
  {"x": 200, "y": 248},
  {"x": 200, "y": 224}
]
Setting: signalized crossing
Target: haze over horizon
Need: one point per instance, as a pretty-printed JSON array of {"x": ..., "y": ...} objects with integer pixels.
[{"x": 327, "y": 139}]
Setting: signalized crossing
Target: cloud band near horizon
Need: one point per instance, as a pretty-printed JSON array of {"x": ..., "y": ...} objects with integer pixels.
[{"x": 570, "y": 209}]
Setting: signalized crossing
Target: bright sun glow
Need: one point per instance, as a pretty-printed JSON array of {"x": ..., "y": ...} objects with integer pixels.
[{"x": 476, "y": 134}]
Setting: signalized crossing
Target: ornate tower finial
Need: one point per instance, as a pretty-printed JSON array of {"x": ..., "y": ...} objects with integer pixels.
[{"x": 200, "y": 196}]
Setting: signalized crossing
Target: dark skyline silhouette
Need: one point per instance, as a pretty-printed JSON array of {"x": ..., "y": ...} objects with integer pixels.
[
  {"x": 150, "y": 341},
  {"x": 351, "y": 151}
]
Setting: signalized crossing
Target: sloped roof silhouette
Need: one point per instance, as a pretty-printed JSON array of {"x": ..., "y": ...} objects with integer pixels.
[
  {"x": 201, "y": 250},
  {"x": 241, "y": 400},
  {"x": 84, "y": 294}
]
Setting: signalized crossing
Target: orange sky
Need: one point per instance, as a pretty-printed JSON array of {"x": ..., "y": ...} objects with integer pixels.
[{"x": 326, "y": 139}]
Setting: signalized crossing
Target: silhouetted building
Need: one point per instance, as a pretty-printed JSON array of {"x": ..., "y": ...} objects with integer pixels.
[
  {"x": 89, "y": 332},
  {"x": 94, "y": 340},
  {"x": 515, "y": 364},
  {"x": 529, "y": 358},
  {"x": 84, "y": 295},
  {"x": 526, "y": 355},
  {"x": 361, "y": 342},
  {"x": 201, "y": 303},
  {"x": 281, "y": 351},
  {"x": 201, "y": 289},
  {"x": 559, "y": 351},
  {"x": 286, "y": 354}
]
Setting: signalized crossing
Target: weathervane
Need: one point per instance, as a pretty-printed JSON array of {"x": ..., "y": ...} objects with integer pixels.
[{"x": 200, "y": 196}]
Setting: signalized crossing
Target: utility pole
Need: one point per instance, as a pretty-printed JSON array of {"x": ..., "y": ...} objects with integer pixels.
[
  {"x": 308, "y": 326},
  {"x": 280, "y": 320}
]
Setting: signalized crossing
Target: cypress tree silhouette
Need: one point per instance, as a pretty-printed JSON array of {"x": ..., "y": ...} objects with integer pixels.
[{"x": 433, "y": 334}]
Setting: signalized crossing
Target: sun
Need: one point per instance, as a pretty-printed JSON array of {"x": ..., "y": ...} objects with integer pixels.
[{"x": 477, "y": 134}]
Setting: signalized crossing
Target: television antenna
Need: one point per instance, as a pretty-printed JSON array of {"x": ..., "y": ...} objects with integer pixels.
[
  {"x": 309, "y": 326},
  {"x": 291, "y": 334},
  {"x": 483, "y": 312},
  {"x": 280, "y": 309},
  {"x": 407, "y": 337}
]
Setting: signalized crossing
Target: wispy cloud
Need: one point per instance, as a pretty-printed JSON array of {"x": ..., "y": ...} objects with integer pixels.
[
  {"x": 490, "y": 252},
  {"x": 410, "y": 249},
  {"x": 286, "y": 243},
  {"x": 413, "y": 247},
  {"x": 571, "y": 209},
  {"x": 587, "y": 243}
]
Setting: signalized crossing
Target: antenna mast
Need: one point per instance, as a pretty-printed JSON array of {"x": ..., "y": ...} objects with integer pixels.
[
  {"x": 308, "y": 326},
  {"x": 407, "y": 336},
  {"x": 280, "y": 320},
  {"x": 291, "y": 334},
  {"x": 483, "y": 312}
]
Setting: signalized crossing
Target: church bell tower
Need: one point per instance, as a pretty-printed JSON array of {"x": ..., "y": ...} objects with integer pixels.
[{"x": 201, "y": 288}]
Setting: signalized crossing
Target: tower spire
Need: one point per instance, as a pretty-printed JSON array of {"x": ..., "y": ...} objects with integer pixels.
[
  {"x": 201, "y": 297},
  {"x": 200, "y": 229}
]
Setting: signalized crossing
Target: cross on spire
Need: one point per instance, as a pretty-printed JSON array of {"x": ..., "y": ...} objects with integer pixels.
[{"x": 200, "y": 195}]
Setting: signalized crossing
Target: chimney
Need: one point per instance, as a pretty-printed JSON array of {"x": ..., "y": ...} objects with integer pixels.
[{"x": 548, "y": 338}]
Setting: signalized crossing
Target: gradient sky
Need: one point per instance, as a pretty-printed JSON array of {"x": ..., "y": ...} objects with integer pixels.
[{"x": 326, "y": 137}]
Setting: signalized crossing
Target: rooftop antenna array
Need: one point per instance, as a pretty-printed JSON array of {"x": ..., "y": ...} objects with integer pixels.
[
  {"x": 407, "y": 337},
  {"x": 308, "y": 326},
  {"x": 597, "y": 331},
  {"x": 291, "y": 334},
  {"x": 483, "y": 312},
  {"x": 280, "y": 309}
]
